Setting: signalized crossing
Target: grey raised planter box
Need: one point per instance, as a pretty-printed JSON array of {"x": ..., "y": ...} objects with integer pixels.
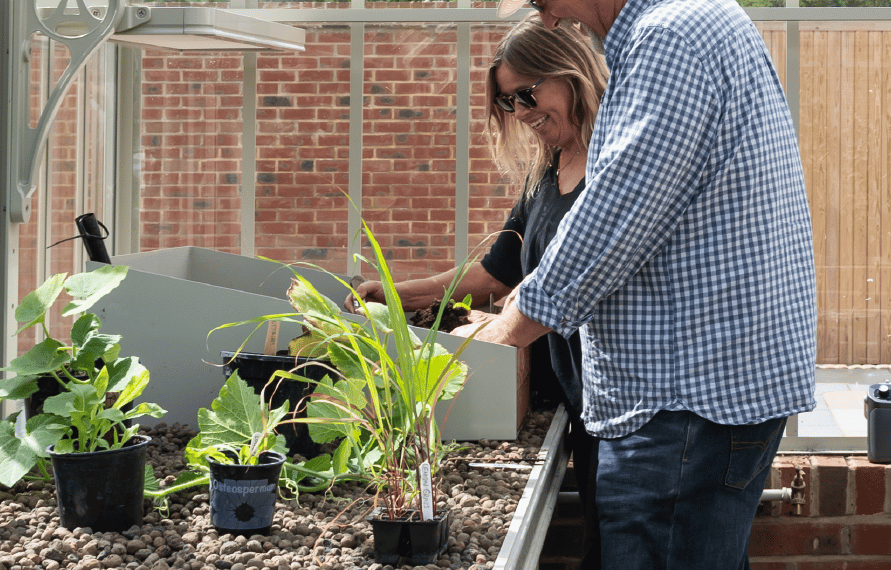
[{"x": 171, "y": 299}]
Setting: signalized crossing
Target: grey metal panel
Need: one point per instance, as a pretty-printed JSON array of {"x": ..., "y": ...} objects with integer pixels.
[
  {"x": 171, "y": 299},
  {"x": 822, "y": 444},
  {"x": 228, "y": 270},
  {"x": 165, "y": 322}
]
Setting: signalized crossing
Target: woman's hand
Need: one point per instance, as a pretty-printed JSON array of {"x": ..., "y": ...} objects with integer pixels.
[{"x": 368, "y": 291}]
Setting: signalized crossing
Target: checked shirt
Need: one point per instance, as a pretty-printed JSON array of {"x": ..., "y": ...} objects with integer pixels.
[{"x": 687, "y": 262}]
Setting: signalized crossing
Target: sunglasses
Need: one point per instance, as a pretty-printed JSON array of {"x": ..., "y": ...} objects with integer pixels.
[
  {"x": 536, "y": 5},
  {"x": 522, "y": 96}
]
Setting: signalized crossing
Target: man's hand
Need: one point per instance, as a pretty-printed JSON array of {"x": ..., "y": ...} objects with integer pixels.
[{"x": 511, "y": 327}]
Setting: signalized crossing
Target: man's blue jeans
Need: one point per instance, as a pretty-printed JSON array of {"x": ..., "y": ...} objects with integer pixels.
[{"x": 681, "y": 492}]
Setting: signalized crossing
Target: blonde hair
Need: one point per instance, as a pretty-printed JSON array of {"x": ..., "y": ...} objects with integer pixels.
[{"x": 565, "y": 53}]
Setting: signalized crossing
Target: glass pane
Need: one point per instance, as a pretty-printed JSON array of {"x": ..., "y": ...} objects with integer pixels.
[
  {"x": 303, "y": 151},
  {"x": 191, "y": 150},
  {"x": 408, "y": 167}
]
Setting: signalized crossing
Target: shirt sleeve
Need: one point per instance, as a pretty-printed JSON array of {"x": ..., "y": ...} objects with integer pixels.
[
  {"x": 646, "y": 163},
  {"x": 503, "y": 261}
]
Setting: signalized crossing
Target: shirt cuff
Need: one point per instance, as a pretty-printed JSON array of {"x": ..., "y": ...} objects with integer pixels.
[{"x": 533, "y": 302}]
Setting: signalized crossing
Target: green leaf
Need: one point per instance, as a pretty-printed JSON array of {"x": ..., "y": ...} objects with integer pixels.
[
  {"x": 342, "y": 402},
  {"x": 111, "y": 414},
  {"x": 321, "y": 464},
  {"x": 32, "y": 310},
  {"x": 88, "y": 288},
  {"x": 235, "y": 416},
  {"x": 83, "y": 328},
  {"x": 43, "y": 358},
  {"x": 380, "y": 316},
  {"x": 64, "y": 404},
  {"x": 89, "y": 345},
  {"x": 145, "y": 409},
  {"x": 341, "y": 456},
  {"x": 436, "y": 368},
  {"x": 349, "y": 363},
  {"x": 151, "y": 482},
  {"x": 64, "y": 446},
  {"x": 307, "y": 299},
  {"x": 124, "y": 371},
  {"x": 130, "y": 387},
  {"x": 100, "y": 385},
  {"x": 18, "y": 455},
  {"x": 18, "y": 388}
]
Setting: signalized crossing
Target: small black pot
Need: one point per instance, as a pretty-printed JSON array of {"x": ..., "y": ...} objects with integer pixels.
[
  {"x": 242, "y": 497},
  {"x": 418, "y": 542},
  {"x": 102, "y": 490},
  {"x": 257, "y": 369}
]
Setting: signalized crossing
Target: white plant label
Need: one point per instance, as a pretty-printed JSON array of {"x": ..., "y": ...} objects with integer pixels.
[{"x": 426, "y": 492}]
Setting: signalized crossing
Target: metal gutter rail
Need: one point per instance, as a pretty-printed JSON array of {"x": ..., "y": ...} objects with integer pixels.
[{"x": 529, "y": 525}]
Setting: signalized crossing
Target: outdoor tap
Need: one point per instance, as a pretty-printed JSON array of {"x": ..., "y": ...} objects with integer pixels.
[{"x": 798, "y": 491}]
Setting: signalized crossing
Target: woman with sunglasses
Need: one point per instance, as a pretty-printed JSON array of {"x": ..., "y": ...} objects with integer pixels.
[{"x": 544, "y": 89}]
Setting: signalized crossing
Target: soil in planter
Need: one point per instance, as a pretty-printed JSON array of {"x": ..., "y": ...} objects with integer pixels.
[{"x": 452, "y": 317}]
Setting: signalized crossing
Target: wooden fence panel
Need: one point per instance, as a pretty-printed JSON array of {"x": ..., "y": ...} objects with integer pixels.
[{"x": 845, "y": 139}]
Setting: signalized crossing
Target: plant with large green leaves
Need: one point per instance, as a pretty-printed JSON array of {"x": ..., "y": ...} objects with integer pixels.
[
  {"x": 377, "y": 404},
  {"x": 238, "y": 427},
  {"x": 89, "y": 372}
]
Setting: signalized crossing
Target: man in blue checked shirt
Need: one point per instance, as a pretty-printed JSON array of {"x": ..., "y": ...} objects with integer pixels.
[{"x": 687, "y": 264}]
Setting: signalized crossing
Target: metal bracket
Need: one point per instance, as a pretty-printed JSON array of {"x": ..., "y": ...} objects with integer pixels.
[{"x": 82, "y": 31}]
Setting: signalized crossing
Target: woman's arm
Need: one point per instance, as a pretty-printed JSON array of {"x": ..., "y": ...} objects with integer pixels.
[{"x": 421, "y": 293}]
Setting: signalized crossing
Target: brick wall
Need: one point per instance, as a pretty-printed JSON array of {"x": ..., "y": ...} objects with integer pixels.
[
  {"x": 190, "y": 160},
  {"x": 845, "y": 522},
  {"x": 191, "y": 173}
]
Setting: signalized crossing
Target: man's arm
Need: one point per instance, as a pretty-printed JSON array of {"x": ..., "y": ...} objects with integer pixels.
[{"x": 511, "y": 327}]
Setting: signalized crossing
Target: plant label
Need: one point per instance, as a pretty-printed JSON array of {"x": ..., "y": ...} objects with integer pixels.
[{"x": 426, "y": 492}]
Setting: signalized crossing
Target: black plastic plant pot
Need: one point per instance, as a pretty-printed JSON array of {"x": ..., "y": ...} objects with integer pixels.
[
  {"x": 408, "y": 539},
  {"x": 102, "y": 490},
  {"x": 47, "y": 387},
  {"x": 242, "y": 497},
  {"x": 257, "y": 369}
]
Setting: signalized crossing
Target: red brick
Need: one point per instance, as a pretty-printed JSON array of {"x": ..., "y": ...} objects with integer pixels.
[
  {"x": 788, "y": 538},
  {"x": 871, "y": 539},
  {"x": 845, "y": 564},
  {"x": 756, "y": 565},
  {"x": 830, "y": 479},
  {"x": 869, "y": 487}
]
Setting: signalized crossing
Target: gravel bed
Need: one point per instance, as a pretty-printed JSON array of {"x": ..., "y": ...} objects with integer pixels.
[{"x": 323, "y": 531}]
